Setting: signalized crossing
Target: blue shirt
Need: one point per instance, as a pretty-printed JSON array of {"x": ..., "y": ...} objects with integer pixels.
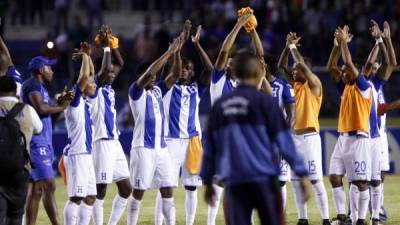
[
  {"x": 16, "y": 76},
  {"x": 220, "y": 85},
  {"x": 29, "y": 87},
  {"x": 243, "y": 127},
  {"x": 374, "y": 119},
  {"x": 283, "y": 93}
]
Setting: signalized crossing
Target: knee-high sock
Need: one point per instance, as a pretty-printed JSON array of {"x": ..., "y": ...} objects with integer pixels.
[
  {"x": 382, "y": 195},
  {"x": 300, "y": 204},
  {"x": 71, "y": 213},
  {"x": 213, "y": 210},
  {"x": 85, "y": 213},
  {"x": 98, "y": 212},
  {"x": 376, "y": 201},
  {"x": 168, "y": 208},
  {"x": 339, "y": 197},
  {"x": 133, "y": 211},
  {"x": 363, "y": 204},
  {"x": 158, "y": 213},
  {"x": 190, "y": 206},
  {"x": 118, "y": 207},
  {"x": 354, "y": 202},
  {"x": 322, "y": 199},
  {"x": 284, "y": 196}
]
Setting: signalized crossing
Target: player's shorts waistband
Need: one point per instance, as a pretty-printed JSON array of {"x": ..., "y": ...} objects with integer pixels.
[
  {"x": 306, "y": 134},
  {"x": 357, "y": 134}
]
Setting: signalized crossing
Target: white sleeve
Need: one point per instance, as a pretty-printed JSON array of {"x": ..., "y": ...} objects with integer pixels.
[{"x": 36, "y": 122}]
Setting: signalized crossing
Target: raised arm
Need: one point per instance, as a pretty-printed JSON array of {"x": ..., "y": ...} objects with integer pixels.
[
  {"x": 205, "y": 60},
  {"x": 283, "y": 63},
  {"x": 367, "y": 70},
  {"x": 259, "y": 49},
  {"x": 176, "y": 68},
  {"x": 312, "y": 79},
  {"x": 222, "y": 59},
  {"x": 332, "y": 65},
  {"x": 119, "y": 62},
  {"x": 151, "y": 72},
  {"x": 265, "y": 86},
  {"x": 342, "y": 36},
  {"x": 84, "y": 74},
  {"x": 387, "y": 70}
]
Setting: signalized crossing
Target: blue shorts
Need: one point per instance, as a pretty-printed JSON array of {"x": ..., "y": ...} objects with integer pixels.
[{"x": 42, "y": 157}]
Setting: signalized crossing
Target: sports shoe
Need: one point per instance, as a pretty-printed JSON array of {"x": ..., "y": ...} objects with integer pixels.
[
  {"x": 302, "y": 222},
  {"x": 382, "y": 215},
  {"x": 326, "y": 222},
  {"x": 361, "y": 222},
  {"x": 375, "y": 222},
  {"x": 339, "y": 220}
]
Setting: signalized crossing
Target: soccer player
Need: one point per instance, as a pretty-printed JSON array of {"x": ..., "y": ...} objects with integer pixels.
[
  {"x": 244, "y": 125},
  {"x": 150, "y": 160},
  {"x": 109, "y": 159},
  {"x": 223, "y": 81},
  {"x": 35, "y": 94},
  {"x": 308, "y": 99},
  {"x": 377, "y": 76},
  {"x": 182, "y": 127},
  {"x": 7, "y": 66},
  {"x": 81, "y": 181},
  {"x": 351, "y": 155}
]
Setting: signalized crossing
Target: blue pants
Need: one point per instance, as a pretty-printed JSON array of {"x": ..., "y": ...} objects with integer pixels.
[{"x": 241, "y": 199}]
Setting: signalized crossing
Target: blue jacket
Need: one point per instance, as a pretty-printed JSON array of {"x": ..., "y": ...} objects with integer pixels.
[{"x": 243, "y": 127}]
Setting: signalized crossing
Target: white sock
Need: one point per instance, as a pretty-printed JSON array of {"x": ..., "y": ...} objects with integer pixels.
[
  {"x": 322, "y": 199},
  {"x": 213, "y": 210},
  {"x": 354, "y": 201},
  {"x": 190, "y": 206},
  {"x": 98, "y": 212},
  {"x": 85, "y": 213},
  {"x": 363, "y": 204},
  {"x": 300, "y": 204},
  {"x": 284, "y": 196},
  {"x": 376, "y": 201},
  {"x": 382, "y": 195},
  {"x": 168, "y": 208},
  {"x": 118, "y": 207},
  {"x": 133, "y": 211},
  {"x": 158, "y": 214},
  {"x": 339, "y": 198},
  {"x": 71, "y": 213}
]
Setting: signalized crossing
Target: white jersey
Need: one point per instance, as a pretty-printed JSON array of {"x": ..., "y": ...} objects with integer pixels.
[
  {"x": 381, "y": 119},
  {"x": 148, "y": 113},
  {"x": 104, "y": 114},
  {"x": 375, "y": 120},
  {"x": 181, "y": 104},
  {"x": 220, "y": 84},
  {"x": 79, "y": 126}
]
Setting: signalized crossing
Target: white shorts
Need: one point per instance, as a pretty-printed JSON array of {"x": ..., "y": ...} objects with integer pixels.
[
  {"x": 351, "y": 156},
  {"x": 109, "y": 161},
  {"x": 309, "y": 147},
  {"x": 177, "y": 149},
  {"x": 376, "y": 145},
  {"x": 150, "y": 168},
  {"x": 385, "y": 165},
  {"x": 285, "y": 171},
  {"x": 80, "y": 175}
]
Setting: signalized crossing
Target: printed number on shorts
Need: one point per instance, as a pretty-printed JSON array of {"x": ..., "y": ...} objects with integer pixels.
[
  {"x": 360, "y": 166},
  {"x": 311, "y": 166}
]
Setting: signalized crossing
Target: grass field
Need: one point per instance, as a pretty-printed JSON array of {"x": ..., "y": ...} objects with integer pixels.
[{"x": 392, "y": 204}]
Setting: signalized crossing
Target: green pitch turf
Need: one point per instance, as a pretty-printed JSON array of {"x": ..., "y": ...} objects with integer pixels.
[{"x": 392, "y": 204}]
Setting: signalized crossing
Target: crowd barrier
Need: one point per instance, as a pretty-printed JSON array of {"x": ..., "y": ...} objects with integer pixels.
[{"x": 328, "y": 140}]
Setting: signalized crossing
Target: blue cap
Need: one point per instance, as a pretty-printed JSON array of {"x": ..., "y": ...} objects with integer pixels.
[{"x": 39, "y": 61}]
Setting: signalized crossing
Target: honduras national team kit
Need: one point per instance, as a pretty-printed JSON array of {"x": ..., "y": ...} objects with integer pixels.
[
  {"x": 150, "y": 163},
  {"x": 108, "y": 156},
  {"x": 182, "y": 125},
  {"x": 42, "y": 154},
  {"x": 78, "y": 162}
]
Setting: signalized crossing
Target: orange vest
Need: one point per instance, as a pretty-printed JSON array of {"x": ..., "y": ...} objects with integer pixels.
[
  {"x": 307, "y": 107},
  {"x": 354, "y": 110}
]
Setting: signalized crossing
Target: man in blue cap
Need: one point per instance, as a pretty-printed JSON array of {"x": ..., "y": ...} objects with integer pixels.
[{"x": 35, "y": 94}]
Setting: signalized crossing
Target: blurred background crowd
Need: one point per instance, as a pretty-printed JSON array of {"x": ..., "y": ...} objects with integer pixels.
[{"x": 145, "y": 27}]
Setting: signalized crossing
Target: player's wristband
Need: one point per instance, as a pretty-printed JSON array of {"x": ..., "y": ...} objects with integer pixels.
[
  {"x": 379, "y": 40},
  {"x": 292, "y": 46},
  {"x": 107, "y": 49}
]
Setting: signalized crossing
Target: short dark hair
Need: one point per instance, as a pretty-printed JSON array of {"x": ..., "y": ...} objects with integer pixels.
[
  {"x": 7, "y": 84},
  {"x": 271, "y": 63},
  {"x": 242, "y": 64}
]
